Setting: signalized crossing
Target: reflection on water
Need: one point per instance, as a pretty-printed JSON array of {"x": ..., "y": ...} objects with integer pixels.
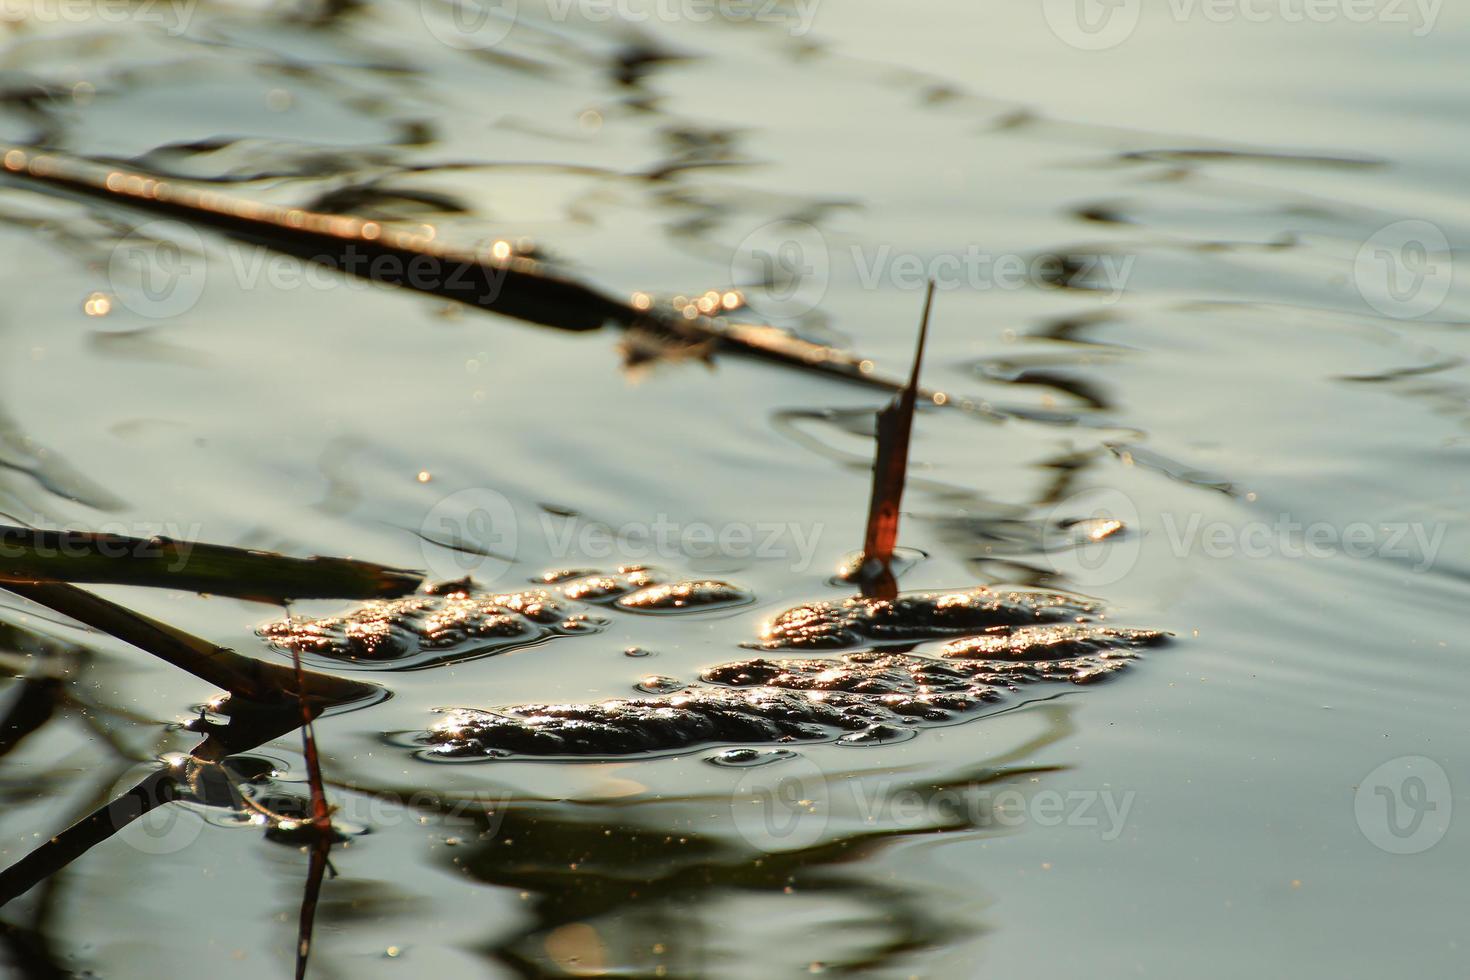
[
  {"x": 1180, "y": 301},
  {"x": 661, "y": 886}
]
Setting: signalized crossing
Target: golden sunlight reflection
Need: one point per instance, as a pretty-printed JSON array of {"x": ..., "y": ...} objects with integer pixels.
[{"x": 577, "y": 949}]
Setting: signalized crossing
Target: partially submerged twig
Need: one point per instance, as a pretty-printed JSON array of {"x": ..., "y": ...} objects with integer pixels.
[
  {"x": 501, "y": 281},
  {"x": 32, "y": 555},
  {"x": 267, "y": 701},
  {"x": 242, "y": 676},
  {"x": 250, "y": 725},
  {"x": 890, "y": 469}
]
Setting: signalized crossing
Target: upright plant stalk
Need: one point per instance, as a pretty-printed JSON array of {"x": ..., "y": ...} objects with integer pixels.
[{"x": 890, "y": 470}]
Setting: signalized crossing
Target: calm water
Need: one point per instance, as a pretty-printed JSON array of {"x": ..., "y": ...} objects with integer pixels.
[{"x": 1256, "y": 365}]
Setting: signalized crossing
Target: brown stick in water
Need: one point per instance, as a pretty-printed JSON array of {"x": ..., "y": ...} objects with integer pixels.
[
  {"x": 502, "y": 282},
  {"x": 890, "y": 470}
]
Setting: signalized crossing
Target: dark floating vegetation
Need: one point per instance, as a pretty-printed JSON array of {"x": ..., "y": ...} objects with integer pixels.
[
  {"x": 638, "y": 588},
  {"x": 1042, "y": 643},
  {"x": 455, "y": 621},
  {"x": 914, "y": 616},
  {"x": 868, "y": 697},
  {"x": 424, "y": 630},
  {"x": 684, "y": 597}
]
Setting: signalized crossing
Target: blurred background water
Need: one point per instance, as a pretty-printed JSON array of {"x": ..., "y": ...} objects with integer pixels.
[{"x": 1202, "y": 261}]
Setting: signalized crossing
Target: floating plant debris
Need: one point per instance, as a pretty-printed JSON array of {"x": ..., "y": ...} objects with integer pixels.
[
  {"x": 1058, "y": 642},
  {"x": 864, "y": 698},
  {"x": 644, "y": 726},
  {"x": 454, "y": 621},
  {"x": 685, "y": 596},
  {"x": 427, "y": 629},
  {"x": 914, "y": 616},
  {"x": 595, "y": 586}
]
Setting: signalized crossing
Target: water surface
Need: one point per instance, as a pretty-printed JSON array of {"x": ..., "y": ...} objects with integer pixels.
[{"x": 1216, "y": 356}]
